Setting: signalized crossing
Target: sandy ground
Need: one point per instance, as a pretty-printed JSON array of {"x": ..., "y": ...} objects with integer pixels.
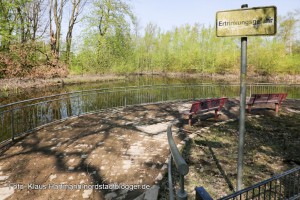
[{"x": 124, "y": 146}]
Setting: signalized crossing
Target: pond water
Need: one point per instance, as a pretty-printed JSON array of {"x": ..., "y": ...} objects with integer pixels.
[
  {"x": 19, "y": 95},
  {"x": 22, "y": 94}
]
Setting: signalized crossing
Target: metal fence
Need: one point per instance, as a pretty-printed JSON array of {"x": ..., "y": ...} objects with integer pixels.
[
  {"x": 24, "y": 116},
  {"x": 181, "y": 166},
  {"x": 283, "y": 186}
]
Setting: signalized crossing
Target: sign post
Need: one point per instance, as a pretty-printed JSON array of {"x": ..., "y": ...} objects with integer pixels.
[
  {"x": 242, "y": 110},
  {"x": 245, "y": 22}
]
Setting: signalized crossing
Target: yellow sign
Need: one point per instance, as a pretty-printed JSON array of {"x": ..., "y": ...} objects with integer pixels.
[{"x": 247, "y": 22}]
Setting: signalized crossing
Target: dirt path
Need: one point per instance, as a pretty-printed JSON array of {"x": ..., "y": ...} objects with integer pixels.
[{"x": 124, "y": 146}]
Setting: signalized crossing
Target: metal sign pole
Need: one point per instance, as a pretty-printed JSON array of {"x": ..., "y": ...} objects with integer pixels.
[
  {"x": 245, "y": 22},
  {"x": 242, "y": 110}
]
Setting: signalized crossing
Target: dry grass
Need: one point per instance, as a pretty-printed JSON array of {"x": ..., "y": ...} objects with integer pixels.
[{"x": 272, "y": 145}]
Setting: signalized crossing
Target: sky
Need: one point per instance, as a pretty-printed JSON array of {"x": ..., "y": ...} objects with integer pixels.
[{"x": 168, "y": 14}]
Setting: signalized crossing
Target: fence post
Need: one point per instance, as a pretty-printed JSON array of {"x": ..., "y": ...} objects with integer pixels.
[
  {"x": 171, "y": 193},
  {"x": 180, "y": 163},
  {"x": 12, "y": 123},
  {"x": 125, "y": 99},
  {"x": 162, "y": 93},
  {"x": 78, "y": 109},
  {"x": 166, "y": 93},
  {"x": 181, "y": 193},
  {"x": 193, "y": 89}
]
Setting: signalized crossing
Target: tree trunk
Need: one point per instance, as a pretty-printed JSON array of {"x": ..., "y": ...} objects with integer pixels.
[
  {"x": 57, "y": 14},
  {"x": 68, "y": 47},
  {"x": 77, "y": 6}
]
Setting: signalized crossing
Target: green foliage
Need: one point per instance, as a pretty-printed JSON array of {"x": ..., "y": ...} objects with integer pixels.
[
  {"x": 287, "y": 30},
  {"x": 184, "y": 49},
  {"x": 7, "y": 23},
  {"x": 289, "y": 65},
  {"x": 265, "y": 54},
  {"x": 107, "y": 15},
  {"x": 109, "y": 45}
]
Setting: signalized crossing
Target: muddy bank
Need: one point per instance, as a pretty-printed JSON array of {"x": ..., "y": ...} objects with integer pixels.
[
  {"x": 233, "y": 78},
  {"x": 26, "y": 83}
]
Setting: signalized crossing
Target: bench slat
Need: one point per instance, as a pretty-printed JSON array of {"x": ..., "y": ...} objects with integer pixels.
[
  {"x": 206, "y": 105},
  {"x": 276, "y": 98},
  {"x": 267, "y": 98}
]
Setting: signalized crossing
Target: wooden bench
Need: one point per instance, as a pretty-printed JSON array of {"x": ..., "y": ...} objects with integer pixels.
[
  {"x": 275, "y": 98},
  {"x": 205, "y": 105}
]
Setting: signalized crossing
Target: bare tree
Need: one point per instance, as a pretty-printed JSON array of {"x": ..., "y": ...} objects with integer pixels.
[
  {"x": 21, "y": 15},
  {"x": 56, "y": 13},
  {"x": 77, "y": 7},
  {"x": 36, "y": 13},
  {"x": 21, "y": 19}
]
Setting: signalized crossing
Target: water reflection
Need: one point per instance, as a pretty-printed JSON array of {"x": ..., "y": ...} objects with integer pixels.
[{"x": 19, "y": 95}]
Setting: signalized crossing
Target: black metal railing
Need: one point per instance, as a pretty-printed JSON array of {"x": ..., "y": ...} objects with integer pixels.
[
  {"x": 282, "y": 186},
  {"x": 25, "y": 116},
  {"x": 181, "y": 166}
]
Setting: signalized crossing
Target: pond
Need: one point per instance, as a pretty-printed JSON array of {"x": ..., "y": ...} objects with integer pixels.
[
  {"x": 19, "y": 95},
  {"x": 75, "y": 100},
  {"x": 22, "y": 94}
]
